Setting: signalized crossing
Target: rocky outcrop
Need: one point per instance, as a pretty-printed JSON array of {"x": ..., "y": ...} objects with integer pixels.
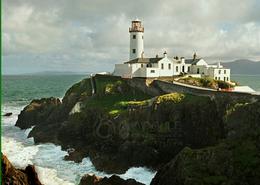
[
  {"x": 234, "y": 161},
  {"x": 118, "y": 129},
  {"x": 8, "y": 114},
  {"x": 37, "y": 112},
  {"x": 113, "y": 180},
  {"x": 11, "y": 175}
]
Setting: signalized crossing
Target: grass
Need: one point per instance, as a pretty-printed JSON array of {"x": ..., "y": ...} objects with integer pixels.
[
  {"x": 115, "y": 104},
  {"x": 114, "y": 95},
  {"x": 206, "y": 82},
  {"x": 82, "y": 88},
  {"x": 133, "y": 103}
]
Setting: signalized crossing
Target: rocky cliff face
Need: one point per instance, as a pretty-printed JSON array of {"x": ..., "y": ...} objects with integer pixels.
[
  {"x": 122, "y": 126},
  {"x": 36, "y": 112},
  {"x": 11, "y": 175},
  {"x": 235, "y": 160},
  {"x": 113, "y": 180}
]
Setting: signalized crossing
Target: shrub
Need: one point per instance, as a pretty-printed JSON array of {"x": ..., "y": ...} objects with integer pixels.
[
  {"x": 207, "y": 82},
  {"x": 223, "y": 84},
  {"x": 172, "y": 97}
]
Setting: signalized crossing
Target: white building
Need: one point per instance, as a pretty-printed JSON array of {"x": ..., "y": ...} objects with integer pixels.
[{"x": 139, "y": 66}]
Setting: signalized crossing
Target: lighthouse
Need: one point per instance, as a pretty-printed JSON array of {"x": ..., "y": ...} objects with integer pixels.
[{"x": 136, "y": 40}]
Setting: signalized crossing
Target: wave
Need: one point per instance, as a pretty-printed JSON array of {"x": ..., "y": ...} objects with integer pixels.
[
  {"x": 48, "y": 158},
  {"x": 50, "y": 177},
  {"x": 140, "y": 174}
]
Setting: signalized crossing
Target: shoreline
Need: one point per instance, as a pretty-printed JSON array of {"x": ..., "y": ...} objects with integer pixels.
[{"x": 44, "y": 168}]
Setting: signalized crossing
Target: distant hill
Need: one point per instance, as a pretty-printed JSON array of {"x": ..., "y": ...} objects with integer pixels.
[{"x": 244, "y": 67}]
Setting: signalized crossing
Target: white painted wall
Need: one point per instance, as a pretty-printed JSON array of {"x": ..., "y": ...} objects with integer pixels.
[
  {"x": 177, "y": 69},
  {"x": 219, "y": 73},
  {"x": 152, "y": 72},
  {"x": 140, "y": 72},
  {"x": 146, "y": 72},
  {"x": 137, "y": 66},
  {"x": 163, "y": 66},
  {"x": 123, "y": 70},
  {"x": 216, "y": 72},
  {"x": 195, "y": 69},
  {"x": 137, "y": 44}
]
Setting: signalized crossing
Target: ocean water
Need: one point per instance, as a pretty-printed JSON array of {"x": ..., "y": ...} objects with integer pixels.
[
  {"x": 18, "y": 91},
  {"x": 249, "y": 80}
]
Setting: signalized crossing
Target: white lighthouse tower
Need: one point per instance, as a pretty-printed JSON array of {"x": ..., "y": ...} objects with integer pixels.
[{"x": 136, "y": 40}]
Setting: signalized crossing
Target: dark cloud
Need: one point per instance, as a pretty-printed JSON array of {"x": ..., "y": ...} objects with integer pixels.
[{"x": 93, "y": 35}]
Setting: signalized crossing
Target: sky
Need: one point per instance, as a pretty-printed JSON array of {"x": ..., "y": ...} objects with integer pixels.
[{"x": 91, "y": 36}]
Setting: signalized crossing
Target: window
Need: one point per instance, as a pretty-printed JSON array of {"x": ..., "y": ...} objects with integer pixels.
[
  {"x": 224, "y": 78},
  {"x": 152, "y": 71},
  {"x": 169, "y": 66},
  {"x": 142, "y": 37},
  {"x": 198, "y": 70},
  {"x": 161, "y": 66},
  {"x": 224, "y": 71},
  {"x": 133, "y": 50},
  {"x": 142, "y": 65},
  {"x": 134, "y": 36},
  {"x": 219, "y": 71},
  {"x": 216, "y": 78},
  {"x": 227, "y": 79},
  {"x": 183, "y": 68},
  {"x": 188, "y": 69},
  {"x": 177, "y": 69}
]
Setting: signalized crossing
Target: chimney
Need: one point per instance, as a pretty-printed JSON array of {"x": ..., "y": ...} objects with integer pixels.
[
  {"x": 157, "y": 56},
  {"x": 182, "y": 60},
  {"x": 194, "y": 56},
  {"x": 219, "y": 65},
  {"x": 165, "y": 54}
]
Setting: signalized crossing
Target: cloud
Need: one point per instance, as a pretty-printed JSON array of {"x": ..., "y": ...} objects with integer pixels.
[{"x": 93, "y": 35}]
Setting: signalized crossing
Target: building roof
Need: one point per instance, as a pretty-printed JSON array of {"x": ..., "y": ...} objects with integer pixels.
[
  {"x": 144, "y": 60},
  {"x": 192, "y": 61}
]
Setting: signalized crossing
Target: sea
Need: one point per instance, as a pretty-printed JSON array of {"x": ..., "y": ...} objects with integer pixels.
[{"x": 18, "y": 91}]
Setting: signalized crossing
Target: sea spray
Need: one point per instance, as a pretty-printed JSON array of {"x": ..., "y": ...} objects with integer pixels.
[
  {"x": 140, "y": 174},
  {"x": 48, "y": 158}
]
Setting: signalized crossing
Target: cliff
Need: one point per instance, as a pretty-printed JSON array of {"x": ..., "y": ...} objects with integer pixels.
[
  {"x": 113, "y": 180},
  {"x": 11, "y": 175},
  {"x": 131, "y": 122},
  {"x": 234, "y": 161}
]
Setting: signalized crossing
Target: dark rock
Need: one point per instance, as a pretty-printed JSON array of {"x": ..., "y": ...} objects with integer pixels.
[
  {"x": 75, "y": 156},
  {"x": 11, "y": 175},
  {"x": 8, "y": 114},
  {"x": 234, "y": 161},
  {"x": 36, "y": 112},
  {"x": 89, "y": 180},
  {"x": 113, "y": 180},
  {"x": 32, "y": 175}
]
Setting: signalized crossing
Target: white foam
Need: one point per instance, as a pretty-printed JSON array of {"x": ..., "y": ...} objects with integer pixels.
[
  {"x": 140, "y": 174},
  {"x": 48, "y": 158},
  {"x": 19, "y": 154},
  {"x": 49, "y": 177}
]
